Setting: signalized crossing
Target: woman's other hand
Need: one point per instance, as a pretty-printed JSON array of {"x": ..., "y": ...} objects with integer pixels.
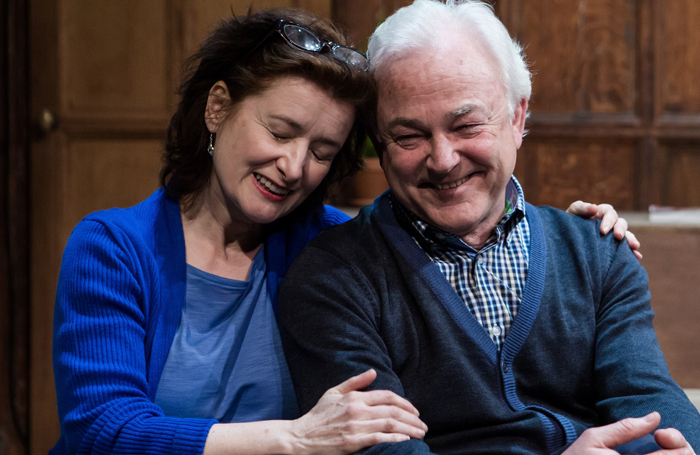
[
  {"x": 345, "y": 420},
  {"x": 609, "y": 219}
]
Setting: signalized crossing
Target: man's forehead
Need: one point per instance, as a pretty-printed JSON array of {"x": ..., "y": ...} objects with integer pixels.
[
  {"x": 455, "y": 84},
  {"x": 450, "y": 45},
  {"x": 443, "y": 60}
]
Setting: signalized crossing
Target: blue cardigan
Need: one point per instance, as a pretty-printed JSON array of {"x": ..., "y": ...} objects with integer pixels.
[
  {"x": 118, "y": 305},
  {"x": 581, "y": 352}
]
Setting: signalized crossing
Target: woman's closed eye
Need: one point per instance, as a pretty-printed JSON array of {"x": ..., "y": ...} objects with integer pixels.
[
  {"x": 279, "y": 136},
  {"x": 323, "y": 156}
]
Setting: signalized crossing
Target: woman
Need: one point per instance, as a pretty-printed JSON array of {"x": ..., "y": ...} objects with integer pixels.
[{"x": 165, "y": 337}]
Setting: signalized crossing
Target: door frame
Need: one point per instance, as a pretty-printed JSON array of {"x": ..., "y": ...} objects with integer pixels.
[{"x": 15, "y": 132}]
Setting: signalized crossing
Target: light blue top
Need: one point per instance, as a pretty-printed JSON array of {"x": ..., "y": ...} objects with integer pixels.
[{"x": 226, "y": 360}]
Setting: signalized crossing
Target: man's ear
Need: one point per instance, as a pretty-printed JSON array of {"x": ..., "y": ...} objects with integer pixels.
[
  {"x": 218, "y": 103},
  {"x": 519, "y": 122}
]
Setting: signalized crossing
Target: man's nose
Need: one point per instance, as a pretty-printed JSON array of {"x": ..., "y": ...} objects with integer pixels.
[
  {"x": 291, "y": 162},
  {"x": 443, "y": 155}
]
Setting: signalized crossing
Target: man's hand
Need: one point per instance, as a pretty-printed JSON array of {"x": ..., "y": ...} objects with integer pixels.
[
  {"x": 602, "y": 440},
  {"x": 609, "y": 219},
  {"x": 670, "y": 438}
]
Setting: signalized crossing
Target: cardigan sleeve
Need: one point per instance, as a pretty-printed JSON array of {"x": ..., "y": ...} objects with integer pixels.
[
  {"x": 330, "y": 331},
  {"x": 99, "y": 354},
  {"x": 630, "y": 375}
]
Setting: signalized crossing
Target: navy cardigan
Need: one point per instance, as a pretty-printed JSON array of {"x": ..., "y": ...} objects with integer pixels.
[
  {"x": 581, "y": 352},
  {"x": 118, "y": 305}
]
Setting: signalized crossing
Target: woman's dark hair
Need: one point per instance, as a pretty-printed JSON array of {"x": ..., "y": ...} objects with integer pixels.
[{"x": 244, "y": 54}]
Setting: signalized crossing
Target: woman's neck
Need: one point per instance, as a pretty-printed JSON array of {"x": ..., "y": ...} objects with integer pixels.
[{"x": 219, "y": 239}]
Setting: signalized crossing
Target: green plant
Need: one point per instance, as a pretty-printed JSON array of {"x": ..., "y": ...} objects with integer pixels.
[{"x": 369, "y": 151}]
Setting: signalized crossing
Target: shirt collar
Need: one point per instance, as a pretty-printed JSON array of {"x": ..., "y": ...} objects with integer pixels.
[{"x": 434, "y": 238}]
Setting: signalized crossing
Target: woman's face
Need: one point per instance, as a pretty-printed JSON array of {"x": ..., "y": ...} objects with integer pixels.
[{"x": 274, "y": 149}]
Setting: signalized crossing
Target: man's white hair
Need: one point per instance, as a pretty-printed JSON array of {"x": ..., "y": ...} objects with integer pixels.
[{"x": 427, "y": 23}]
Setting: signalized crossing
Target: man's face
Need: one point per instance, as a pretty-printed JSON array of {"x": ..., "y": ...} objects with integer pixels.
[{"x": 450, "y": 144}]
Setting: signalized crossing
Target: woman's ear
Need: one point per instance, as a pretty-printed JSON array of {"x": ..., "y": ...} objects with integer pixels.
[{"x": 217, "y": 106}]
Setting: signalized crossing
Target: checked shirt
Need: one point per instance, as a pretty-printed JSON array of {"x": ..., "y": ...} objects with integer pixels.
[{"x": 490, "y": 281}]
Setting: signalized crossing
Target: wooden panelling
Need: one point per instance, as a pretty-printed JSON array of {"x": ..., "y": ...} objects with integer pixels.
[
  {"x": 616, "y": 118},
  {"x": 112, "y": 58},
  {"x": 201, "y": 16},
  {"x": 48, "y": 236},
  {"x": 14, "y": 237},
  {"x": 676, "y": 174},
  {"x": 361, "y": 18},
  {"x": 677, "y": 52},
  {"x": 91, "y": 172},
  {"x": 322, "y": 7},
  {"x": 558, "y": 172},
  {"x": 671, "y": 260},
  {"x": 582, "y": 52}
]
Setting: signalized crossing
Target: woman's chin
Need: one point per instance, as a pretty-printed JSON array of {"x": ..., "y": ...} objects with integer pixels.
[{"x": 268, "y": 215}]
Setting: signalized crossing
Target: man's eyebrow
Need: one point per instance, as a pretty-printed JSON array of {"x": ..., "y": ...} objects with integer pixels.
[
  {"x": 407, "y": 122},
  {"x": 464, "y": 110},
  {"x": 413, "y": 123}
]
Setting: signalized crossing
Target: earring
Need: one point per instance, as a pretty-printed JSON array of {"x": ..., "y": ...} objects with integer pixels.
[{"x": 210, "y": 149}]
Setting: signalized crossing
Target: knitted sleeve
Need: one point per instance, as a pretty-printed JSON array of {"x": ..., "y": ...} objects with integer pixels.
[
  {"x": 100, "y": 359},
  {"x": 630, "y": 374},
  {"x": 329, "y": 325}
]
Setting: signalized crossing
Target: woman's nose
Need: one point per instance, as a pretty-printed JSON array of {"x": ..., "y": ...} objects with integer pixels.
[{"x": 291, "y": 162}]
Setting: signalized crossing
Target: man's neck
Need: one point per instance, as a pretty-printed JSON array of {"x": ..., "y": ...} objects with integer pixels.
[{"x": 478, "y": 237}]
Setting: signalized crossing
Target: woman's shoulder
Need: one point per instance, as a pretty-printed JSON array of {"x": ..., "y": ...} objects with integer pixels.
[
  {"x": 141, "y": 224},
  {"x": 141, "y": 212},
  {"x": 332, "y": 216}
]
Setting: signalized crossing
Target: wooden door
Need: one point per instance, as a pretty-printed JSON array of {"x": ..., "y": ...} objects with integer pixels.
[{"x": 103, "y": 80}]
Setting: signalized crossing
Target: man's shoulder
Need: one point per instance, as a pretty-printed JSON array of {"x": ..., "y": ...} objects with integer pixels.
[
  {"x": 571, "y": 238},
  {"x": 354, "y": 235},
  {"x": 557, "y": 223}
]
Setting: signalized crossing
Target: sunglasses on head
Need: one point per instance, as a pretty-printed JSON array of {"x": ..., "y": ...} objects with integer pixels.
[{"x": 307, "y": 40}]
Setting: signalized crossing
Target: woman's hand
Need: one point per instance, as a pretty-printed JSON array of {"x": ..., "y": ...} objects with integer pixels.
[
  {"x": 345, "y": 420},
  {"x": 609, "y": 219}
]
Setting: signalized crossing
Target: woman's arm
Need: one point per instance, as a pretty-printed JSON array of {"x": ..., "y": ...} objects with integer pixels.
[{"x": 342, "y": 422}]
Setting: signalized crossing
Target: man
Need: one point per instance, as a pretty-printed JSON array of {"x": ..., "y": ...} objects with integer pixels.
[{"x": 511, "y": 328}]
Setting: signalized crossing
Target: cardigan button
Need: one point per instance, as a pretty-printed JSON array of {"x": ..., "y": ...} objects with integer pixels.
[{"x": 505, "y": 367}]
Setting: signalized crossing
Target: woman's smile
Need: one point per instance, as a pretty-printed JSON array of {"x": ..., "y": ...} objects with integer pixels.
[{"x": 269, "y": 189}]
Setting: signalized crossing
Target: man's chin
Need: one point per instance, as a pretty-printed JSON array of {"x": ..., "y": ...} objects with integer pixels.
[
  {"x": 451, "y": 220},
  {"x": 462, "y": 220}
]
